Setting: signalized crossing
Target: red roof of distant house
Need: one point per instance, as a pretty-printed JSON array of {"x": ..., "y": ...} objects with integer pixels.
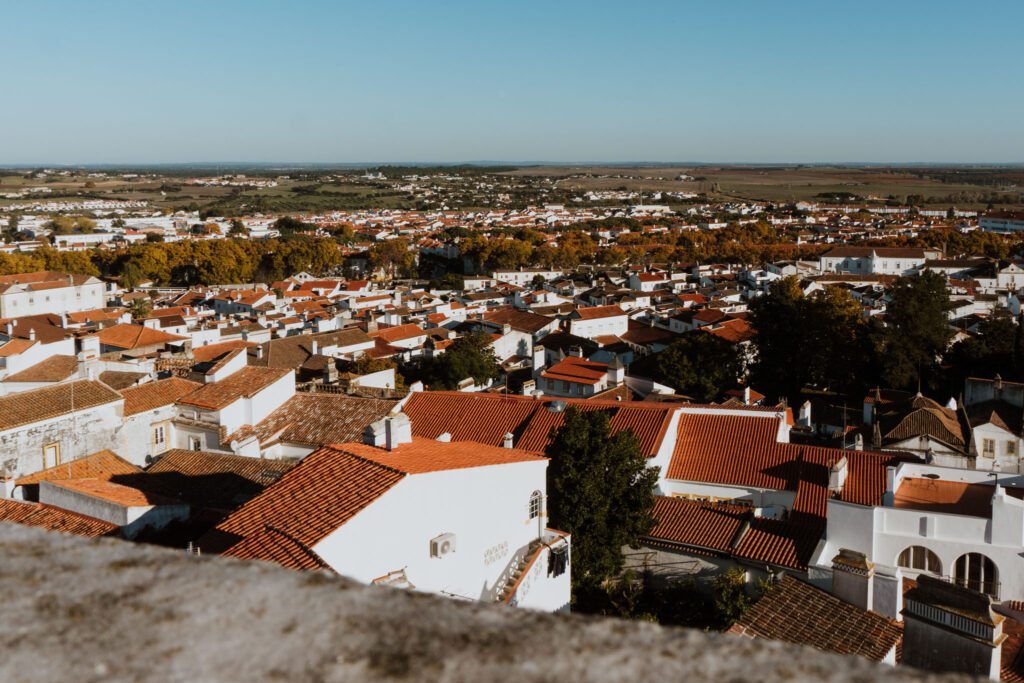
[
  {"x": 127, "y": 336},
  {"x": 573, "y": 369},
  {"x": 486, "y": 418},
  {"x": 595, "y": 312}
]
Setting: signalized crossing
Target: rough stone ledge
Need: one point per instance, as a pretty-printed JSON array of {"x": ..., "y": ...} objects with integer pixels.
[{"x": 82, "y": 610}]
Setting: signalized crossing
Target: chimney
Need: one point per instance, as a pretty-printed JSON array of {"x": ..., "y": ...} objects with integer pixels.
[
  {"x": 615, "y": 372},
  {"x": 538, "y": 357},
  {"x": 837, "y": 475},
  {"x": 315, "y": 347},
  {"x": 576, "y": 351},
  {"x": 397, "y": 430},
  {"x": 851, "y": 578},
  {"x": 32, "y": 334},
  {"x": 805, "y": 414},
  {"x": 947, "y": 627},
  {"x": 746, "y": 395},
  {"x": 259, "y": 351},
  {"x": 10, "y": 329},
  {"x": 507, "y": 441},
  {"x": 445, "y": 438},
  {"x": 373, "y": 435}
]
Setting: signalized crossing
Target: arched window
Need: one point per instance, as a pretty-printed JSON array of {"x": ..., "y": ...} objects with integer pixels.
[
  {"x": 977, "y": 572},
  {"x": 920, "y": 558},
  {"x": 535, "y": 504}
]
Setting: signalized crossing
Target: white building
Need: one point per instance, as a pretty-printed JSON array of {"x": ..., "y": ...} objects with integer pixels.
[
  {"x": 950, "y": 523},
  {"x": 459, "y": 519},
  {"x": 598, "y": 321},
  {"x": 1002, "y": 221},
  {"x": 876, "y": 260},
  {"x": 49, "y": 292}
]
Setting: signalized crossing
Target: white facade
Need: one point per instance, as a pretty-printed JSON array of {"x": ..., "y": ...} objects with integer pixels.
[
  {"x": 884, "y": 532},
  {"x": 486, "y": 509},
  {"x": 21, "y": 300},
  {"x": 595, "y": 327}
]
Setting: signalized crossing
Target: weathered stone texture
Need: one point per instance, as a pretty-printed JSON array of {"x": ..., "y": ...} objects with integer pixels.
[{"x": 108, "y": 610}]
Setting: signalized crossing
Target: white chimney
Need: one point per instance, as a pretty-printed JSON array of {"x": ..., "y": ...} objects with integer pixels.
[
  {"x": 615, "y": 372},
  {"x": 852, "y": 574},
  {"x": 538, "y": 357},
  {"x": 746, "y": 395},
  {"x": 507, "y": 441},
  {"x": 32, "y": 333},
  {"x": 397, "y": 430},
  {"x": 373, "y": 435},
  {"x": 259, "y": 351},
  {"x": 316, "y": 347},
  {"x": 445, "y": 438}
]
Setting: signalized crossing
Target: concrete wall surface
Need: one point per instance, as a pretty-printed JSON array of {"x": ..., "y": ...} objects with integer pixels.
[{"x": 109, "y": 610}]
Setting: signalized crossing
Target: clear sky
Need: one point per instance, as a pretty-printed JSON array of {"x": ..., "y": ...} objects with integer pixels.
[{"x": 432, "y": 80}]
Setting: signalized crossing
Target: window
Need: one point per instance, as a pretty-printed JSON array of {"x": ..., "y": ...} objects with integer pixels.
[
  {"x": 579, "y": 389},
  {"x": 977, "y": 572},
  {"x": 160, "y": 438},
  {"x": 565, "y": 387},
  {"x": 195, "y": 443},
  {"x": 551, "y": 384},
  {"x": 536, "y": 499},
  {"x": 51, "y": 455},
  {"x": 1011, "y": 447},
  {"x": 920, "y": 558},
  {"x": 988, "y": 448}
]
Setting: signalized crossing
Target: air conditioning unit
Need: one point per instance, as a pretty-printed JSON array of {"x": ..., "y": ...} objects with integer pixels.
[{"x": 442, "y": 545}]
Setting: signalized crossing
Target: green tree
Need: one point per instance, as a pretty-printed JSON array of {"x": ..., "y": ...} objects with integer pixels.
[
  {"x": 139, "y": 307},
  {"x": 600, "y": 491},
  {"x": 85, "y": 224},
  {"x": 731, "y": 599},
  {"x": 237, "y": 228},
  {"x": 917, "y": 329},
  {"x": 391, "y": 256},
  {"x": 62, "y": 225},
  {"x": 468, "y": 356},
  {"x": 819, "y": 339},
  {"x": 700, "y": 365}
]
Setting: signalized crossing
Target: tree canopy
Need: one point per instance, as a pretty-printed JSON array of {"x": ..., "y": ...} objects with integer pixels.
[
  {"x": 468, "y": 356},
  {"x": 600, "y": 491},
  {"x": 700, "y": 366},
  {"x": 917, "y": 328}
]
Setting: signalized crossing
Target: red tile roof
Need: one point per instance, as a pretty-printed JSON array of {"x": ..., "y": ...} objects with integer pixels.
[
  {"x": 245, "y": 383},
  {"x": 785, "y": 543},
  {"x": 54, "y": 519},
  {"x": 698, "y": 524},
  {"x": 102, "y": 465},
  {"x": 573, "y": 369},
  {"x": 319, "y": 419},
  {"x": 127, "y": 336},
  {"x": 53, "y": 369},
  {"x": 594, "y": 312},
  {"x": 742, "y": 450},
  {"x": 797, "y": 612},
  {"x": 204, "y": 354},
  {"x": 153, "y": 395},
  {"x": 486, "y": 418},
  {"x": 427, "y": 455},
  {"x": 27, "y": 407},
  {"x": 328, "y": 488},
  {"x": 113, "y": 493}
]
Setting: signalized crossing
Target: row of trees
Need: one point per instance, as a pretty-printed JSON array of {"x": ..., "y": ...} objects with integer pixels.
[{"x": 821, "y": 340}]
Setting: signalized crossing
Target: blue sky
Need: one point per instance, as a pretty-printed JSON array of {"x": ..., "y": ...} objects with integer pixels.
[{"x": 387, "y": 80}]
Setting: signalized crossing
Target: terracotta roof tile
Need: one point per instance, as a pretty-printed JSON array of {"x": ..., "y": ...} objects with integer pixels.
[
  {"x": 318, "y": 419},
  {"x": 796, "y": 612},
  {"x": 128, "y": 336},
  {"x": 53, "y": 369},
  {"x": 153, "y": 395},
  {"x": 112, "y": 492},
  {"x": 695, "y": 523},
  {"x": 102, "y": 465},
  {"x": 27, "y": 407},
  {"x": 427, "y": 455},
  {"x": 243, "y": 384},
  {"x": 310, "y": 501},
  {"x": 54, "y": 519}
]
